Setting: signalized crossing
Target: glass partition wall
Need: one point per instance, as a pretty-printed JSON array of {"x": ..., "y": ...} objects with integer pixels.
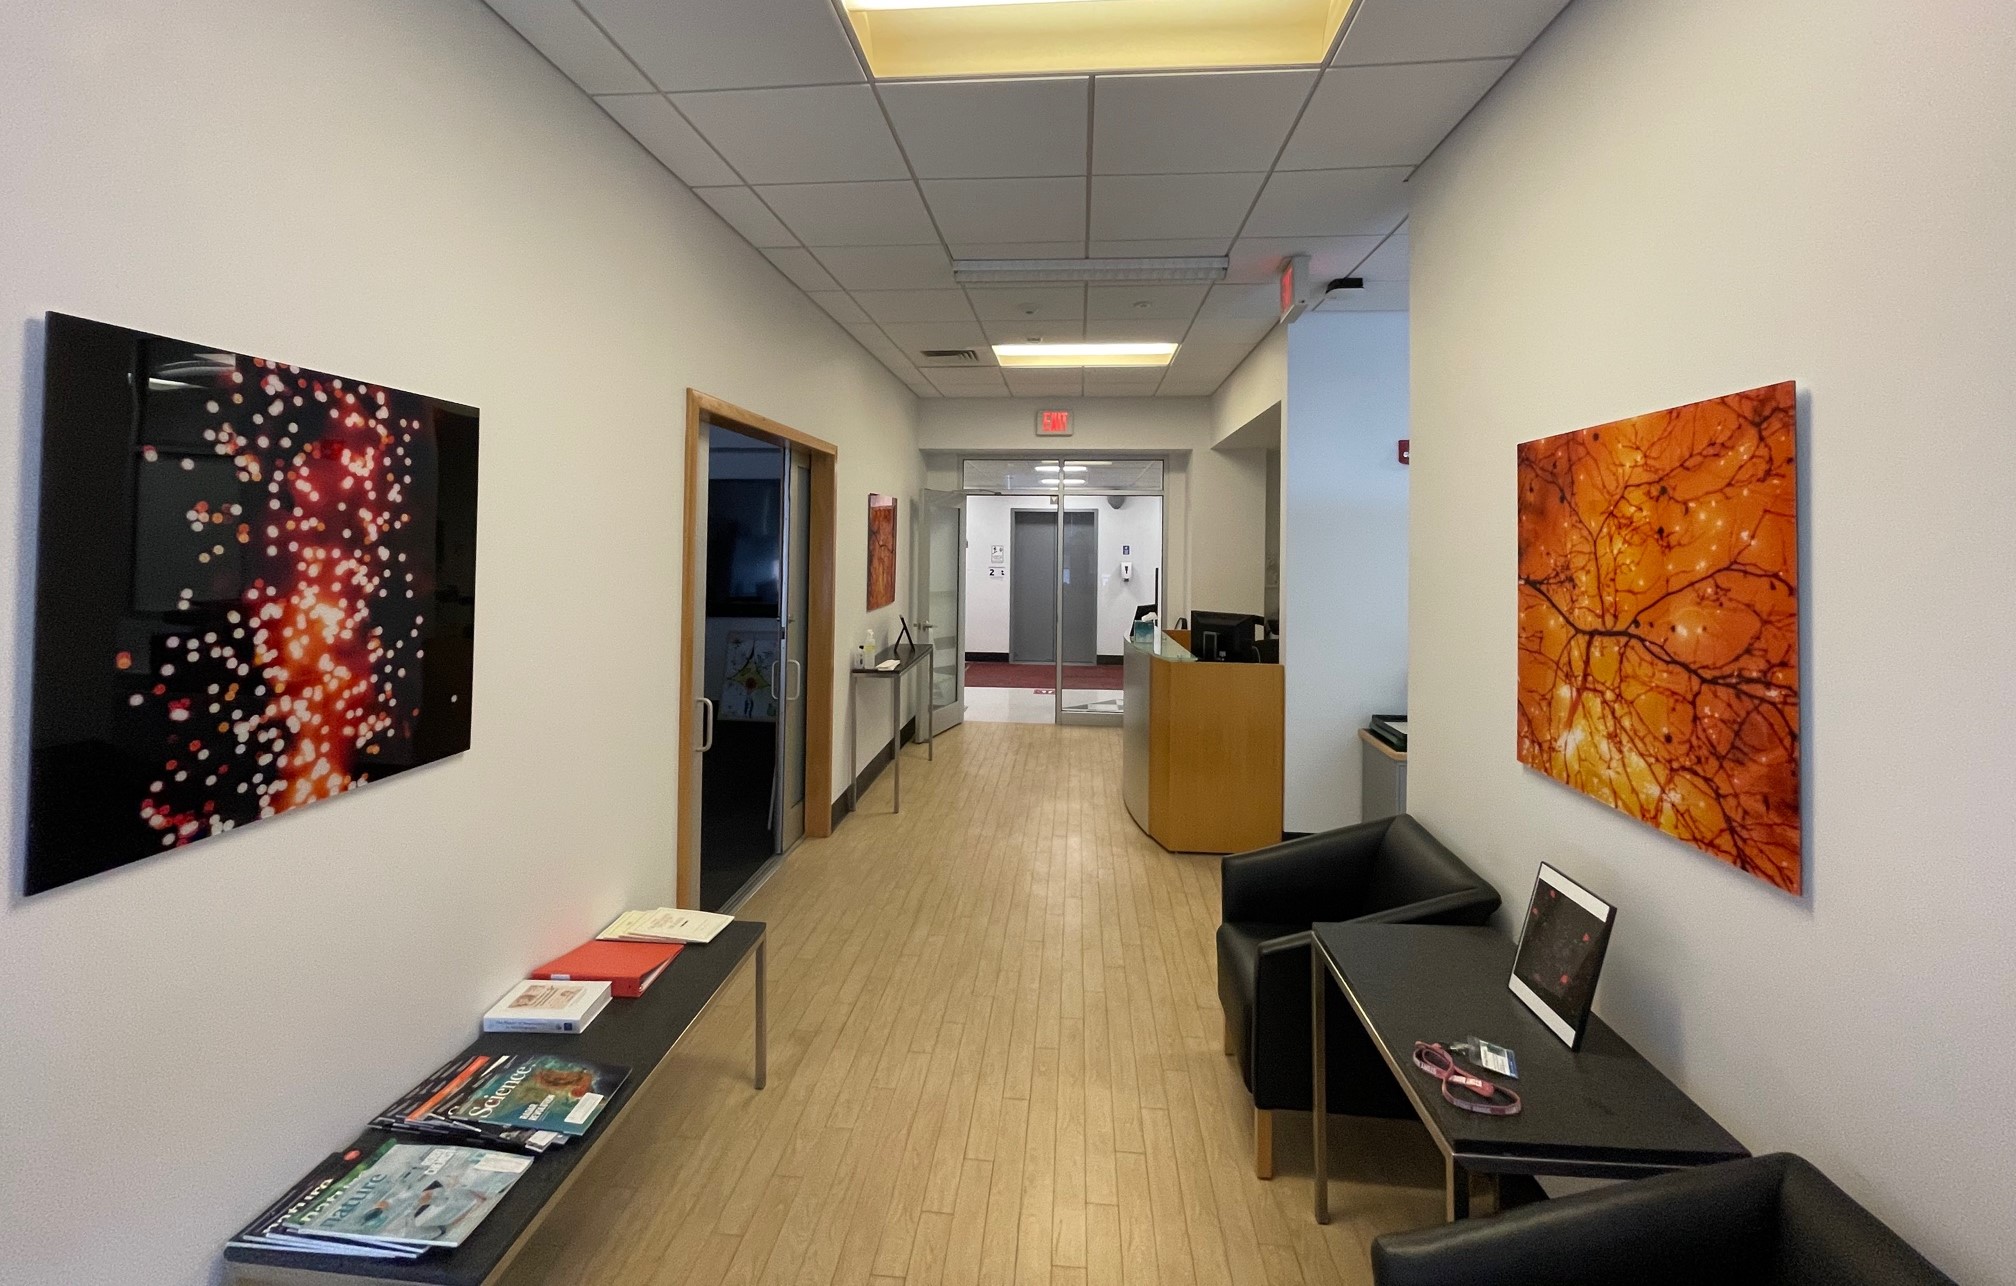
[{"x": 1074, "y": 554}]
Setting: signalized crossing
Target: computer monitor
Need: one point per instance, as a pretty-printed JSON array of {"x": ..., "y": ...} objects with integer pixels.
[{"x": 1225, "y": 636}]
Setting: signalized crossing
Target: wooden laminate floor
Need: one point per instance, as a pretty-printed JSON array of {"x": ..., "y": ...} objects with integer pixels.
[{"x": 995, "y": 1056}]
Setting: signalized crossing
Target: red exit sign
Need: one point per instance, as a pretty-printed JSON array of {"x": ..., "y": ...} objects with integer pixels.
[{"x": 1053, "y": 424}]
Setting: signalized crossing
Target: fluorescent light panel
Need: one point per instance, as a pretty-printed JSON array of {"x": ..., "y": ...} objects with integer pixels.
[
  {"x": 877, "y": 6},
  {"x": 976, "y": 272},
  {"x": 1039, "y": 355},
  {"x": 932, "y": 38}
]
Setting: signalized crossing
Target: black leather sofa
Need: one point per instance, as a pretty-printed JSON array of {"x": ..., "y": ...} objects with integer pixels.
[
  {"x": 1390, "y": 870},
  {"x": 1766, "y": 1221}
]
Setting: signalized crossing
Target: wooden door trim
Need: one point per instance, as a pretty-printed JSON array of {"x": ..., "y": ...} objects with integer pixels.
[{"x": 821, "y": 674}]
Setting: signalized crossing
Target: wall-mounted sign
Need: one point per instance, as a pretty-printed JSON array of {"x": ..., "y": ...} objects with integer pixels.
[
  {"x": 1295, "y": 297},
  {"x": 1053, "y": 424},
  {"x": 997, "y": 554}
]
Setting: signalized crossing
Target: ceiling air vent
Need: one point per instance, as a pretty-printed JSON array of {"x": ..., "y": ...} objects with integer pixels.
[{"x": 948, "y": 357}]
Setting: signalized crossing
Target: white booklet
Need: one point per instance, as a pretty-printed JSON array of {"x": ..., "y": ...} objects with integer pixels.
[
  {"x": 666, "y": 924},
  {"x": 539, "y": 1005}
]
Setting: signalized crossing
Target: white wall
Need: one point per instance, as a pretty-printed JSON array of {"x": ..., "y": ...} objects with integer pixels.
[
  {"x": 1215, "y": 500},
  {"x": 1260, "y": 382},
  {"x": 1344, "y": 553},
  {"x": 404, "y": 193},
  {"x": 1667, "y": 202},
  {"x": 1136, "y": 526}
]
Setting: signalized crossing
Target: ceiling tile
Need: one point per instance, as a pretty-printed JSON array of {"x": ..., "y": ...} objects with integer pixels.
[
  {"x": 1008, "y": 209},
  {"x": 1138, "y": 330},
  {"x": 748, "y": 216},
  {"x": 1376, "y": 297},
  {"x": 1213, "y": 123},
  {"x": 1190, "y": 386},
  {"x": 1256, "y": 259},
  {"x": 1067, "y": 383},
  {"x": 914, "y": 337},
  {"x": 1330, "y": 203},
  {"x": 1229, "y": 332},
  {"x": 1039, "y": 303},
  {"x": 1181, "y": 248},
  {"x": 1166, "y": 206},
  {"x": 1122, "y": 383},
  {"x": 1386, "y": 115},
  {"x": 666, "y": 135},
  {"x": 802, "y": 268},
  {"x": 1034, "y": 331},
  {"x": 985, "y": 129},
  {"x": 1394, "y": 31},
  {"x": 1204, "y": 360},
  {"x": 915, "y": 305},
  {"x": 842, "y": 306},
  {"x": 1143, "y": 302},
  {"x": 574, "y": 44},
  {"x": 825, "y": 134},
  {"x": 890, "y": 267},
  {"x": 1018, "y": 249},
  {"x": 704, "y": 44},
  {"x": 1389, "y": 262},
  {"x": 1258, "y": 302},
  {"x": 967, "y": 382},
  {"x": 853, "y": 214}
]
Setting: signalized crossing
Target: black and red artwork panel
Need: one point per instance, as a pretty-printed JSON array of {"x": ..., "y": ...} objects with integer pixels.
[{"x": 255, "y": 590}]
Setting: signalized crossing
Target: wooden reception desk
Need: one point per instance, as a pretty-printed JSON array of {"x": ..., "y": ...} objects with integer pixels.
[{"x": 1202, "y": 770}]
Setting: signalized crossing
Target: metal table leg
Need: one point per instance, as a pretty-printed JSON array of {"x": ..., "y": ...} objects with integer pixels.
[
  {"x": 853, "y": 745},
  {"x": 896, "y": 742},
  {"x": 924, "y": 708},
  {"x": 1319, "y": 1116},
  {"x": 1458, "y": 1181},
  {"x": 762, "y": 1016}
]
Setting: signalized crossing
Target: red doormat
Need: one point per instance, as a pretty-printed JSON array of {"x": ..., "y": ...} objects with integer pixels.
[{"x": 1005, "y": 674}]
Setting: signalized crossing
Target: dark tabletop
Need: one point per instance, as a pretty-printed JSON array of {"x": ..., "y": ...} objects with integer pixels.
[
  {"x": 1600, "y": 1105},
  {"x": 906, "y": 656},
  {"x": 629, "y": 1033}
]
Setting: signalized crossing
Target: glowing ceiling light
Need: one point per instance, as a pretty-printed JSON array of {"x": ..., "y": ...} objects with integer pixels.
[
  {"x": 868, "y": 6},
  {"x": 1013, "y": 355}
]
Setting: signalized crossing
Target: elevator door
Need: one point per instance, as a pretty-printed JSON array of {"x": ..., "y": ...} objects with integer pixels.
[{"x": 1034, "y": 595}]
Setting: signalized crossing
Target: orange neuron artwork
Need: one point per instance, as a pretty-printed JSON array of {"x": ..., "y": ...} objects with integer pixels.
[{"x": 1659, "y": 622}]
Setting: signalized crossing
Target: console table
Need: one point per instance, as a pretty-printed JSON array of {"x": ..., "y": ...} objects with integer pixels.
[
  {"x": 908, "y": 656},
  {"x": 637, "y": 1034},
  {"x": 1601, "y": 1111}
]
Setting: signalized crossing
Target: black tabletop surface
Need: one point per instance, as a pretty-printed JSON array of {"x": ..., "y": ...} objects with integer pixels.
[
  {"x": 629, "y": 1033},
  {"x": 1601, "y": 1104},
  {"x": 906, "y": 656}
]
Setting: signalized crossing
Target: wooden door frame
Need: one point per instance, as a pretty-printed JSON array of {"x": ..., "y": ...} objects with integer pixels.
[{"x": 821, "y": 670}]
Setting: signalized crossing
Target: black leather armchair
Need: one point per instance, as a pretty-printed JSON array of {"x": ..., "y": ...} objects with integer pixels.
[
  {"x": 1390, "y": 870},
  {"x": 1766, "y": 1221}
]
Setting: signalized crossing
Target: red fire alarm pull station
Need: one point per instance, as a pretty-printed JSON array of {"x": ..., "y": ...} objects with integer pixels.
[
  {"x": 1405, "y": 452},
  {"x": 1053, "y": 424}
]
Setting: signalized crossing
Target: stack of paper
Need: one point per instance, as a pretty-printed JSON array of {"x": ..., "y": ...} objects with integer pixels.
[{"x": 666, "y": 924}]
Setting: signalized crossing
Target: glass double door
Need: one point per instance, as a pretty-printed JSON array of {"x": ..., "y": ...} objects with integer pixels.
[
  {"x": 746, "y": 765},
  {"x": 1054, "y": 560}
]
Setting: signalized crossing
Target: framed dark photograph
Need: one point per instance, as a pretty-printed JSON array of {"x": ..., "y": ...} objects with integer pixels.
[
  {"x": 255, "y": 589},
  {"x": 1561, "y": 946}
]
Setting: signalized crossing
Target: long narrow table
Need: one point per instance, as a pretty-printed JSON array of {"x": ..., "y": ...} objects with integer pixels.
[
  {"x": 1601, "y": 1111},
  {"x": 637, "y": 1034}
]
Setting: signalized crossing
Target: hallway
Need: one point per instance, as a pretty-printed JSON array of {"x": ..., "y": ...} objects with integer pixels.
[{"x": 995, "y": 1056}]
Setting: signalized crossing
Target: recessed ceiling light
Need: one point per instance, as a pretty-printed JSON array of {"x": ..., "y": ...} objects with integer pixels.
[
  {"x": 929, "y": 38},
  {"x": 976, "y": 272},
  {"x": 1084, "y": 354},
  {"x": 869, "y": 6}
]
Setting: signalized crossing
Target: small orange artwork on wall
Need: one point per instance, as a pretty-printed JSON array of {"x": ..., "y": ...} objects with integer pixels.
[
  {"x": 881, "y": 551},
  {"x": 1659, "y": 623}
]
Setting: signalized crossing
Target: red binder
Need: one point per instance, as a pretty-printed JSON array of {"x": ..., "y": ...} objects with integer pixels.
[{"x": 628, "y": 967}]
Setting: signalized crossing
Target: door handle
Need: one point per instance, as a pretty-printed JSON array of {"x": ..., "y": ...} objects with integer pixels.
[
  {"x": 797, "y": 670},
  {"x": 777, "y": 688},
  {"x": 707, "y": 734}
]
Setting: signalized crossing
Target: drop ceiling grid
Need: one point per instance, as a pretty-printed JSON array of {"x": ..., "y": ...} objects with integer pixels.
[{"x": 759, "y": 104}]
